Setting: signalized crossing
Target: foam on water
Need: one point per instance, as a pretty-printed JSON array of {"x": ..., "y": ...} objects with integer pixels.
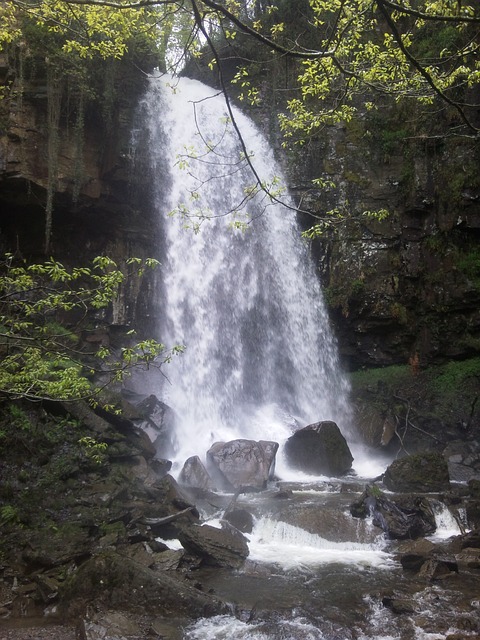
[
  {"x": 290, "y": 547},
  {"x": 229, "y": 628},
  {"x": 447, "y": 525}
]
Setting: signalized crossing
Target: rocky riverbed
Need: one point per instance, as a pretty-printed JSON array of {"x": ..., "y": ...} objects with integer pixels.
[{"x": 114, "y": 547}]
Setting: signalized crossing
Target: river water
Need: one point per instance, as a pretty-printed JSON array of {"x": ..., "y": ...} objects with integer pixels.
[
  {"x": 239, "y": 289},
  {"x": 329, "y": 584}
]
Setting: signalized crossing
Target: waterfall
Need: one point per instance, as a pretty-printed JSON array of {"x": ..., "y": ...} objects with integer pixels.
[{"x": 239, "y": 286}]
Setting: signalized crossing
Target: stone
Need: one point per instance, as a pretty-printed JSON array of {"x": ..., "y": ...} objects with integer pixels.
[
  {"x": 112, "y": 581},
  {"x": 241, "y": 519},
  {"x": 438, "y": 568},
  {"x": 194, "y": 474},
  {"x": 108, "y": 625},
  {"x": 463, "y": 460},
  {"x": 216, "y": 547},
  {"x": 158, "y": 420},
  {"x": 330, "y": 523},
  {"x": 468, "y": 558},
  {"x": 413, "y": 554},
  {"x": 405, "y": 517},
  {"x": 242, "y": 465},
  {"x": 319, "y": 449},
  {"x": 424, "y": 472},
  {"x": 399, "y": 605}
]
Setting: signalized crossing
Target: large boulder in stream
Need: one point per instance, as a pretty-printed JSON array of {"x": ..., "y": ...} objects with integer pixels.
[
  {"x": 423, "y": 472},
  {"x": 405, "y": 517},
  {"x": 319, "y": 449},
  {"x": 225, "y": 547},
  {"x": 242, "y": 465}
]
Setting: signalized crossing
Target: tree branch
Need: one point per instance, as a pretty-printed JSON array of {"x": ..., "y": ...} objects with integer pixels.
[{"x": 421, "y": 70}]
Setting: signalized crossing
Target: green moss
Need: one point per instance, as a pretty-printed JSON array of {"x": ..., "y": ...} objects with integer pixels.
[
  {"x": 399, "y": 312},
  {"x": 455, "y": 375},
  {"x": 357, "y": 179},
  {"x": 391, "y": 376},
  {"x": 469, "y": 265}
]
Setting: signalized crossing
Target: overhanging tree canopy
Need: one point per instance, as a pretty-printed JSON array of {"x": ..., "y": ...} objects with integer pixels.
[{"x": 416, "y": 49}]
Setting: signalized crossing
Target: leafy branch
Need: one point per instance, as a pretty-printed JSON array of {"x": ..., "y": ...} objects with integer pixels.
[{"x": 43, "y": 309}]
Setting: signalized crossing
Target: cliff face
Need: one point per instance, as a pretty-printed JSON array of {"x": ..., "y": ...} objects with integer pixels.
[
  {"x": 407, "y": 286},
  {"x": 100, "y": 188}
]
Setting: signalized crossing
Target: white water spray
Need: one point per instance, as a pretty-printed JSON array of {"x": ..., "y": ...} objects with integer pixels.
[
  {"x": 293, "y": 548},
  {"x": 260, "y": 358}
]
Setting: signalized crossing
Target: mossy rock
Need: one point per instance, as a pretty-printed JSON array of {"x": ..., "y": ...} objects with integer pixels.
[{"x": 423, "y": 472}]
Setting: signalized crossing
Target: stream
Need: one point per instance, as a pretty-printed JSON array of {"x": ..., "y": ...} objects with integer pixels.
[{"x": 331, "y": 584}]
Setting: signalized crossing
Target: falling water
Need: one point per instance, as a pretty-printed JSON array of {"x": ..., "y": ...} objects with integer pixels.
[{"x": 240, "y": 288}]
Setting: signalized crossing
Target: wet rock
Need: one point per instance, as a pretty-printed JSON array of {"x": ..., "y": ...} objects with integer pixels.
[
  {"x": 468, "y": 558},
  {"x": 463, "y": 460},
  {"x": 108, "y": 625},
  {"x": 242, "y": 465},
  {"x": 114, "y": 582},
  {"x": 471, "y": 540},
  {"x": 415, "y": 553},
  {"x": 160, "y": 466},
  {"x": 194, "y": 474},
  {"x": 124, "y": 438},
  {"x": 474, "y": 488},
  {"x": 319, "y": 449},
  {"x": 47, "y": 587},
  {"x": 329, "y": 523},
  {"x": 377, "y": 430},
  {"x": 46, "y": 548},
  {"x": 405, "y": 517},
  {"x": 216, "y": 547},
  {"x": 438, "y": 568},
  {"x": 399, "y": 605},
  {"x": 158, "y": 420},
  {"x": 423, "y": 472},
  {"x": 241, "y": 519}
]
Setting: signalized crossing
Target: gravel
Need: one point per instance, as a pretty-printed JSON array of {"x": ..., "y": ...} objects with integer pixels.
[{"x": 50, "y": 632}]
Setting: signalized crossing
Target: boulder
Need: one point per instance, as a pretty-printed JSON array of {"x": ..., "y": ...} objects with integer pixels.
[
  {"x": 108, "y": 625},
  {"x": 438, "y": 568},
  {"x": 319, "y": 449},
  {"x": 242, "y": 465},
  {"x": 241, "y": 519},
  {"x": 399, "y": 605},
  {"x": 413, "y": 554},
  {"x": 463, "y": 460},
  {"x": 194, "y": 474},
  {"x": 423, "y": 472},
  {"x": 112, "y": 581},
  {"x": 158, "y": 420},
  {"x": 405, "y": 517},
  {"x": 133, "y": 436},
  {"x": 225, "y": 547},
  {"x": 330, "y": 523}
]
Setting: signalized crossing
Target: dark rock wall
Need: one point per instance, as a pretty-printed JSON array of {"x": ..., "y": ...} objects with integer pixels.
[
  {"x": 406, "y": 287},
  {"x": 112, "y": 214}
]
